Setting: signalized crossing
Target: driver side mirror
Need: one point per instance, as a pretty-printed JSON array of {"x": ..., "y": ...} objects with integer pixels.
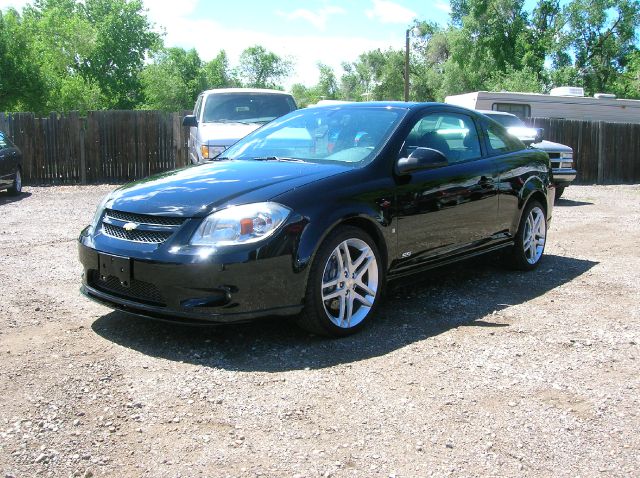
[
  {"x": 190, "y": 121},
  {"x": 539, "y": 135},
  {"x": 421, "y": 158}
]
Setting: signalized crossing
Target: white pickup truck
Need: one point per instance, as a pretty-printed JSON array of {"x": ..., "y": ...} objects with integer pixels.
[{"x": 223, "y": 116}]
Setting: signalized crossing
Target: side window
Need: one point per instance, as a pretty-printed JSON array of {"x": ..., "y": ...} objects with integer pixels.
[
  {"x": 454, "y": 135},
  {"x": 3, "y": 142},
  {"x": 198, "y": 108},
  {"x": 500, "y": 142},
  {"x": 522, "y": 111}
]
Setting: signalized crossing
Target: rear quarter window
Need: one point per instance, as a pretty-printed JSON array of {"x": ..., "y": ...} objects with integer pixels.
[{"x": 501, "y": 142}]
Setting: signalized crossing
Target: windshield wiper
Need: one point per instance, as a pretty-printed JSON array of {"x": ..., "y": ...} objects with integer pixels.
[
  {"x": 277, "y": 158},
  {"x": 226, "y": 121}
]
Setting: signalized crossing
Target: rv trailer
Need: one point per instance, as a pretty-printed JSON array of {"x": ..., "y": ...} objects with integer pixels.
[{"x": 563, "y": 102}]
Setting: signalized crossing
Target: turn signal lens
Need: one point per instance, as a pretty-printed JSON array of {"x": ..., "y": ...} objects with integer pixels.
[{"x": 210, "y": 152}]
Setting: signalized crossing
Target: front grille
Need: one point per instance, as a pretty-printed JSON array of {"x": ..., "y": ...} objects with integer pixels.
[
  {"x": 144, "y": 218},
  {"x": 136, "y": 235},
  {"x": 138, "y": 291},
  {"x": 554, "y": 155},
  {"x": 146, "y": 228}
]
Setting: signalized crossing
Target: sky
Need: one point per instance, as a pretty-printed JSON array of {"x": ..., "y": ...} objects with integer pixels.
[{"x": 305, "y": 31}]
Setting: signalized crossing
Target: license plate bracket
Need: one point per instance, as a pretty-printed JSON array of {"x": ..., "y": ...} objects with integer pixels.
[{"x": 116, "y": 266}]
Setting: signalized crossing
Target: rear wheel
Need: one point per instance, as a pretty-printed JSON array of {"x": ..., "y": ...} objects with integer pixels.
[
  {"x": 530, "y": 238},
  {"x": 345, "y": 284},
  {"x": 16, "y": 187}
]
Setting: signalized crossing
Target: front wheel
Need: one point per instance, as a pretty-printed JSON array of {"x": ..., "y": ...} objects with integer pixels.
[
  {"x": 559, "y": 191},
  {"x": 16, "y": 187},
  {"x": 530, "y": 238},
  {"x": 345, "y": 284}
]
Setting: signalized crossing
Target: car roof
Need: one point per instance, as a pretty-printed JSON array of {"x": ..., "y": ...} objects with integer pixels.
[
  {"x": 393, "y": 104},
  {"x": 411, "y": 106},
  {"x": 493, "y": 112},
  {"x": 244, "y": 90}
]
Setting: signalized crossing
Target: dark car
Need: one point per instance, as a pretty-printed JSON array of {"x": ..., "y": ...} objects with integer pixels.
[
  {"x": 10, "y": 166},
  {"x": 313, "y": 213},
  {"x": 561, "y": 155}
]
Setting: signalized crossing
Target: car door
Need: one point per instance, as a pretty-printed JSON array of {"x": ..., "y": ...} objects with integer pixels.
[{"x": 451, "y": 207}]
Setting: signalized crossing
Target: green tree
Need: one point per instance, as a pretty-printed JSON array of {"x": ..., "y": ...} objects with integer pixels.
[
  {"x": 525, "y": 80},
  {"x": 122, "y": 39},
  {"x": 260, "y": 68},
  {"x": 628, "y": 84},
  {"x": 602, "y": 35},
  {"x": 174, "y": 79},
  {"x": 327, "y": 87},
  {"x": 492, "y": 30},
  {"x": 303, "y": 96},
  {"x": 77, "y": 54},
  {"x": 20, "y": 83},
  {"x": 375, "y": 75},
  {"x": 218, "y": 74}
]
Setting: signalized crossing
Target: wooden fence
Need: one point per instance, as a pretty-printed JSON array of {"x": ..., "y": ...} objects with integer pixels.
[
  {"x": 106, "y": 146},
  {"x": 116, "y": 146}
]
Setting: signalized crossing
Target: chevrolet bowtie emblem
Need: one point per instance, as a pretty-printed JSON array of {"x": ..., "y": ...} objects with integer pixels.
[{"x": 130, "y": 226}]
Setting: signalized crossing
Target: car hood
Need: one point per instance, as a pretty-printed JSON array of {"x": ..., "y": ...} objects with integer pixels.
[
  {"x": 549, "y": 146},
  {"x": 224, "y": 134},
  {"x": 197, "y": 190}
]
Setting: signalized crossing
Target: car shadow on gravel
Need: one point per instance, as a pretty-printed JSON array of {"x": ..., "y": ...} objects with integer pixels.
[
  {"x": 6, "y": 198},
  {"x": 424, "y": 306},
  {"x": 571, "y": 203}
]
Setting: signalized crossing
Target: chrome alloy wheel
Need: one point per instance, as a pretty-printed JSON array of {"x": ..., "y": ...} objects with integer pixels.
[
  {"x": 349, "y": 283},
  {"x": 535, "y": 232}
]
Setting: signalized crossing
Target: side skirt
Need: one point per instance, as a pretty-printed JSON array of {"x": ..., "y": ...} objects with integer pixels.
[{"x": 398, "y": 273}]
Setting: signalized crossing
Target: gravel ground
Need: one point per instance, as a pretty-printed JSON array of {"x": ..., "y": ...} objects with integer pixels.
[{"x": 469, "y": 370}]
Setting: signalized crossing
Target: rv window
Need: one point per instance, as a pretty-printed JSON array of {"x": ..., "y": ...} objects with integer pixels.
[{"x": 520, "y": 110}]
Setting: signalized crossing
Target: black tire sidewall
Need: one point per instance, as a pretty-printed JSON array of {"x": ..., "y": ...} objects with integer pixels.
[{"x": 14, "y": 190}]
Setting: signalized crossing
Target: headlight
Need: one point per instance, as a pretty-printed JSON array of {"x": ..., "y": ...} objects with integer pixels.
[
  {"x": 98, "y": 214},
  {"x": 240, "y": 224},
  {"x": 523, "y": 133},
  {"x": 210, "y": 152},
  {"x": 567, "y": 156}
]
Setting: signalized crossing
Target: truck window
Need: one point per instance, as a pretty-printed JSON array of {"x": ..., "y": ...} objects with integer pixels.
[
  {"x": 246, "y": 107},
  {"x": 519, "y": 109},
  {"x": 197, "y": 108}
]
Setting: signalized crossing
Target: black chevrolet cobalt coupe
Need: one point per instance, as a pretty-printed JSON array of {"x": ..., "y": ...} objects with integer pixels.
[{"x": 311, "y": 214}]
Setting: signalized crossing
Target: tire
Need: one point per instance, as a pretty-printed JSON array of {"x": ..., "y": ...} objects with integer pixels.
[
  {"x": 345, "y": 284},
  {"x": 559, "y": 191},
  {"x": 16, "y": 187},
  {"x": 530, "y": 239}
]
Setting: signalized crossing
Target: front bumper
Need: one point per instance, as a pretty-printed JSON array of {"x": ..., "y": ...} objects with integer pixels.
[
  {"x": 210, "y": 291},
  {"x": 564, "y": 176}
]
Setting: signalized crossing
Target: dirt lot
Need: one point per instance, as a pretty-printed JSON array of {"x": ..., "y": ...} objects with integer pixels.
[{"x": 470, "y": 371}]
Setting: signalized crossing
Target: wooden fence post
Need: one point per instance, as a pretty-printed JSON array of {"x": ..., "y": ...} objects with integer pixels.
[
  {"x": 601, "y": 152},
  {"x": 83, "y": 161}
]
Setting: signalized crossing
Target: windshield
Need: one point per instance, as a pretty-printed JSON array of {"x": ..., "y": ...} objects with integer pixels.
[
  {"x": 506, "y": 120},
  {"x": 246, "y": 107},
  {"x": 343, "y": 134}
]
